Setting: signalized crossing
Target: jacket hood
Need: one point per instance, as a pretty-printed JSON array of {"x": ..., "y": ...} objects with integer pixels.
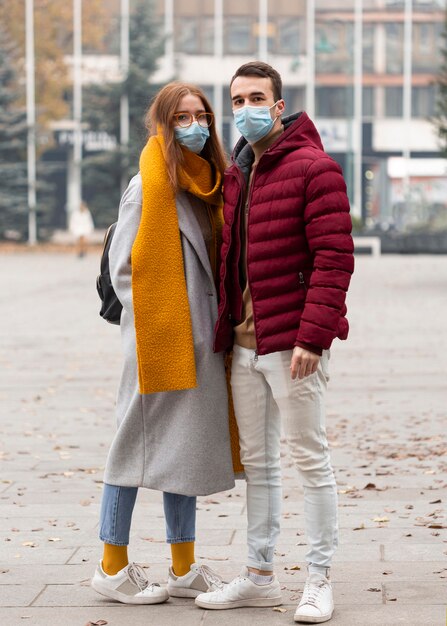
[{"x": 299, "y": 132}]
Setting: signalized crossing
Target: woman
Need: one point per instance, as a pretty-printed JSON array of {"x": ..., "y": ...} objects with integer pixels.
[
  {"x": 172, "y": 406},
  {"x": 81, "y": 227}
]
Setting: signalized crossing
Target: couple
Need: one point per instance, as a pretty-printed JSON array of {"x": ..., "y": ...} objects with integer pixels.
[{"x": 280, "y": 256}]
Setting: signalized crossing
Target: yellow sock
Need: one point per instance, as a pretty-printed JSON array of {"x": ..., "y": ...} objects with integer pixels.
[
  {"x": 114, "y": 559},
  {"x": 182, "y": 557}
]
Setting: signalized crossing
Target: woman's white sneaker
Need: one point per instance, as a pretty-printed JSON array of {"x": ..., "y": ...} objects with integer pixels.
[
  {"x": 241, "y": 592},
  {"x": 316, "y": 605},
  {"x": 199, "y": 579},
  {"x": 130, "y": 586}
]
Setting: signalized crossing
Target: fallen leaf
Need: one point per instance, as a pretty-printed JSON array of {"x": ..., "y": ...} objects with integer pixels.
[
  {"x": 85, "y": 502},
  {"x": 374, "y": 589},
  {"x": 370, "y": 486},
  {"x": 381, "y": 519},
  {"x": 436, "y": 526},
  {"x": 54, "y": 539},
  {"x": 30, "y": 544},
  {"x": 361, "y": 527},
  {"x": 100, "y": 622},
  {"x": 436, "y": 502},
  {"x": 279, "y": 609},
  {"x": 392, "y": 599},
  {"x": 387, "y": 573},
  {"x": 295, "y": 567}
]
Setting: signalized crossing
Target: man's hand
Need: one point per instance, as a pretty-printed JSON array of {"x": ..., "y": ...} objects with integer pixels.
[{"x": 304, "y": 363}]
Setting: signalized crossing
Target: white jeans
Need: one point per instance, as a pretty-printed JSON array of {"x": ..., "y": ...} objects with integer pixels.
[{"x": 264, "y": 395}]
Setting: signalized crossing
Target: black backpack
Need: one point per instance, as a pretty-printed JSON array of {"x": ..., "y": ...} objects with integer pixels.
[{"x": 111, "y": 307}]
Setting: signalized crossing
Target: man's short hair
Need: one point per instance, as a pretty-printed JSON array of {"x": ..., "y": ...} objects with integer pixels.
[{"x": 263, "y": 70}]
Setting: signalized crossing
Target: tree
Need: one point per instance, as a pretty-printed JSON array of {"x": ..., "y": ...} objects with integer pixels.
[
  {"x": 13, "y": 134},
  {"x": 53, "y": 25},
  {"x": 101, "y": 110},
  {"x": 440, "y": 119}
]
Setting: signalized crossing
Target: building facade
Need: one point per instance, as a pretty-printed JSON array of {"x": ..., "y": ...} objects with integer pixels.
[{"x": 211, "y": 38}]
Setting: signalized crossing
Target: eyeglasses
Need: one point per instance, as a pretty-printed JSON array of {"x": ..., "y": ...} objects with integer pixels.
[{"x": 185, "y": 119}]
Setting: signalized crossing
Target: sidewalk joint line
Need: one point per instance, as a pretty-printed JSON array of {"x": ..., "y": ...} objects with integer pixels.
[
  {"x": 38, "y": 596},
  {"x": 71, "y": 556}
]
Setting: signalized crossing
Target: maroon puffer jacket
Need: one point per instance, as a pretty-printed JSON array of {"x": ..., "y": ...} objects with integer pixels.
[{"x": 300, "y": 250}]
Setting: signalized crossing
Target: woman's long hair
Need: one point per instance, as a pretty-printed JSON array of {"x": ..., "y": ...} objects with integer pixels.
[{"x": 161, "y": 113}]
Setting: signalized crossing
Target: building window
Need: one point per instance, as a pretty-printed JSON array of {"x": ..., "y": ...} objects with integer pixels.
[
  {"x": 289, "y": 36},
  {"x": 394, "y": 48},
  {"x": 426, "y": 47},
  {"x": 207, "y": 24},
  {"x": 368, "y": 102},
  {"x": 423, "y": 101},
  {"x": 368, "y": 48},
  {"x": 188, "y": 31},
  {"x": 333, "y": 48},
  {"x": 238, "y": 35},
  {"x": 393, "y": 101},
  {"x": 294, "y": 98},
  {"x": 331, "y": 101}
]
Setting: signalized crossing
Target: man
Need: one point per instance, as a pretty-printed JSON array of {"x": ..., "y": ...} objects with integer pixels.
[{"x": 287, "y": 259}]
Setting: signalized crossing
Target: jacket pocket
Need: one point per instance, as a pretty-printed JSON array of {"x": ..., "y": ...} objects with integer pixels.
[{"x": 303, "y": 284}]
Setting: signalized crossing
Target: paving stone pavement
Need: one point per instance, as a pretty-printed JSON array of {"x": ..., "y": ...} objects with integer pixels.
[{"x": 387, "y": 400}]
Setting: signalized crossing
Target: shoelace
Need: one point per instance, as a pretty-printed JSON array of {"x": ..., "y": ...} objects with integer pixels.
[
  {"x": 138, "y": 576},
  {"x": 312, "y": 591},
  {"x": 211, "y": 577}
]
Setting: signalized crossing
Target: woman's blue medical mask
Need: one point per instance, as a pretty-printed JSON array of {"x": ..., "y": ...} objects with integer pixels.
[
  {"x": 194, "y": 137},
  {"x": 254, "y": 123}
]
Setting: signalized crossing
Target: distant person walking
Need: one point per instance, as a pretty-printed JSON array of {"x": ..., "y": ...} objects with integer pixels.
[
  {"x": 172, "y": 408},
  {"x": 81, "y": 226},
  {"x": 286, "y": 265}
]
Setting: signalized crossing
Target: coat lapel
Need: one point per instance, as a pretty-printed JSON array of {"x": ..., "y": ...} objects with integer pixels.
[{"x": 190, "y": 229}]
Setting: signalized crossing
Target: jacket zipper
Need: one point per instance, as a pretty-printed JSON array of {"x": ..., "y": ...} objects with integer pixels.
[{"x": 250, "y": 194}]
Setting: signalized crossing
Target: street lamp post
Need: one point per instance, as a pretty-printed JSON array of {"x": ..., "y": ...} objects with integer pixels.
[
  {"x": 358, "y": 108},
  {"x": 218, "y": 55},
  {"x": 31, "y": 123},
  {"x": 124, "y": 102},
  {"x": 310, "y": 51},
  {"x": 262, "y": 30},
  {"x": 406, "y": 153},
  {"x": 77, "y": 104}
]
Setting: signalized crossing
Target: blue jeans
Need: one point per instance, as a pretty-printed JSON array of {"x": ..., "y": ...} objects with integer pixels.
[{"x": 117, "y": 508}]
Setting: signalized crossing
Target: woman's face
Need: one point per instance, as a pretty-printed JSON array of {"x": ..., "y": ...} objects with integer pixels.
[{"x": 190, "y": 104}]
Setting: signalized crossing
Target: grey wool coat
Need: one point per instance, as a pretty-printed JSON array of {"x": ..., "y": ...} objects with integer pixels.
[{"x": 174, "y": 441}]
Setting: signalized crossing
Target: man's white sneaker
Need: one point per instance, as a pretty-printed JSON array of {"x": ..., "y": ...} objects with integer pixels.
[
  {"x": 241, "y": 592},
  {"x": 200, "y": 578},
  {"x": 316, "y": 605},
  {"x": 130, "y": 586}
]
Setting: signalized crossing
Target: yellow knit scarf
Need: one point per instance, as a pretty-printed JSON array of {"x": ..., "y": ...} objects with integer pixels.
[{"x": 163, "y": 329}]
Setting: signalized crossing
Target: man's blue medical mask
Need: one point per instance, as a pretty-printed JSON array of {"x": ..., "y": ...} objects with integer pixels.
[{"x": 254, "y": 123}]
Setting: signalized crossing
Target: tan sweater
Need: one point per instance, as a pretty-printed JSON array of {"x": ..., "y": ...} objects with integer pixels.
[{"x": 244, "y": 333}]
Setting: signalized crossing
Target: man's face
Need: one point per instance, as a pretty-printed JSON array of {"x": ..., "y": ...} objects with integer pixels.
[{"x": 254, "y": 91}]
